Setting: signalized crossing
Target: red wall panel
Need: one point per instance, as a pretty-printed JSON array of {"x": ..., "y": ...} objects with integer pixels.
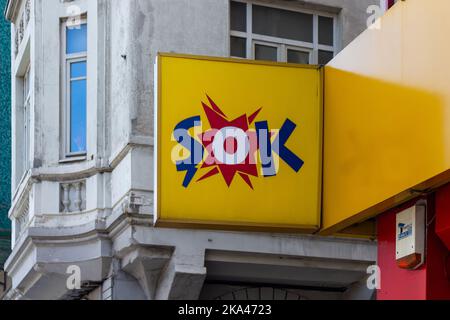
[
  {"x": 443, "y": 214},
  {"x": 396, "y": 283},
  {"x": 431, "y": 280}
]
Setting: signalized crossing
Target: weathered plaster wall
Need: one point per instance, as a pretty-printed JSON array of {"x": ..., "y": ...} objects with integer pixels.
[{"x": 141, "y": 28}]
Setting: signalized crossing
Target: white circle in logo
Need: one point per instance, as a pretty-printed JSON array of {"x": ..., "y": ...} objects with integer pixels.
[{"x": 222, "y": 153}]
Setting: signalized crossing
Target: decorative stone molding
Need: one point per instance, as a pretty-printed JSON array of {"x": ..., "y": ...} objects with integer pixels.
[
  {"x": 73, "y": 196},
  {"x": 16, "y": 43},
  {"x": 21, "y": 29},
  {"x": 22, "y": 216},
  {"x": 133, "y": 203},
  {"x": 21, "y": 26},
  {"x": 27, "y": 12}
]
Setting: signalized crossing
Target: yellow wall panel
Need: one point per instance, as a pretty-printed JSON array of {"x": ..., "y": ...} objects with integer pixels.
[{"x": 387, "y": 114}]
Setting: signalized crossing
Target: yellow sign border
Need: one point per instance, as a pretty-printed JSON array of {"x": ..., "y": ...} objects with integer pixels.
[{"x": 213, "y": 225}]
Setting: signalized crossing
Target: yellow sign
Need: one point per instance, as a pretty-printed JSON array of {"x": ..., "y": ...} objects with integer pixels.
[
  {"x": 238, "y": 144},
  {"x": 387, "y": 115}
]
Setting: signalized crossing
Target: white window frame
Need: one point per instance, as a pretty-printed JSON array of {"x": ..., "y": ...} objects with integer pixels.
[
  {"x": 312, "y": 47},
  {"x": 267, "y": 44},
  {"x": 26, "y": 119},
  {"x": 68, "y": 59},
  {"x": 301, "y": 49}
]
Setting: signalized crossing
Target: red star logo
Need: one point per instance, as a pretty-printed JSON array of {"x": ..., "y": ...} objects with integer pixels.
[{"x": 218, "y": 120}]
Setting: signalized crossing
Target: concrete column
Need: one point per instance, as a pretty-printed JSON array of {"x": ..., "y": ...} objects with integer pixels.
[
  {"x": 146, "y": 265},
  {"x": 121, "y": 285},
  {"x": 185, "y": 270}
]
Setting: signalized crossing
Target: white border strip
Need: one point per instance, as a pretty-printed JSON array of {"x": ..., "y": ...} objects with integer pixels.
[{"x": 155, "y": 138}]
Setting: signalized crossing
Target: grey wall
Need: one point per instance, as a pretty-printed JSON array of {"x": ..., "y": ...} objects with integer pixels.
[{"x": 140, "y": 29}]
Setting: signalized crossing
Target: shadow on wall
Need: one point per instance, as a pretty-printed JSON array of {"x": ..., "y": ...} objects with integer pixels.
[{"x": 381, "y": 140}]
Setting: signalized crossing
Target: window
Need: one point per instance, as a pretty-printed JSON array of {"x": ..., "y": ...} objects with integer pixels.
[
  {"x": 26, "y": 120},
  {"x": 276, "y": 34},
  {"x": 265, "y": 51},
  {"x": 21, "y": 127},
  {"x": 75, "y": 99}
]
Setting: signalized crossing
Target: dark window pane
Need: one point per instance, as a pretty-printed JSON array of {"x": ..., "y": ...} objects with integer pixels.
[
  {"x": 78, "y": 69},
  {"x": 266, "y": 53},
  {"x": 295, "y": 56},
  {"x": 238, "y": 16},
  {"x": 238, "y": 47},
  {"x": 78, "y": 116},
  {"x": 325, "y": 56},
  {"x": 76, "y": 39},
  {"x": 326, "y": 31},
  {"x": 282, "y": 23}
]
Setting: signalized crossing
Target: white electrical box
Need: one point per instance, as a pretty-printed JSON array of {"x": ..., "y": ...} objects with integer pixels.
[{"x": 410, "y": 237}]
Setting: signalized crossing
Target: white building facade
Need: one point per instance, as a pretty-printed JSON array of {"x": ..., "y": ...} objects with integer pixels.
[{"x": 82, "y": 175}]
